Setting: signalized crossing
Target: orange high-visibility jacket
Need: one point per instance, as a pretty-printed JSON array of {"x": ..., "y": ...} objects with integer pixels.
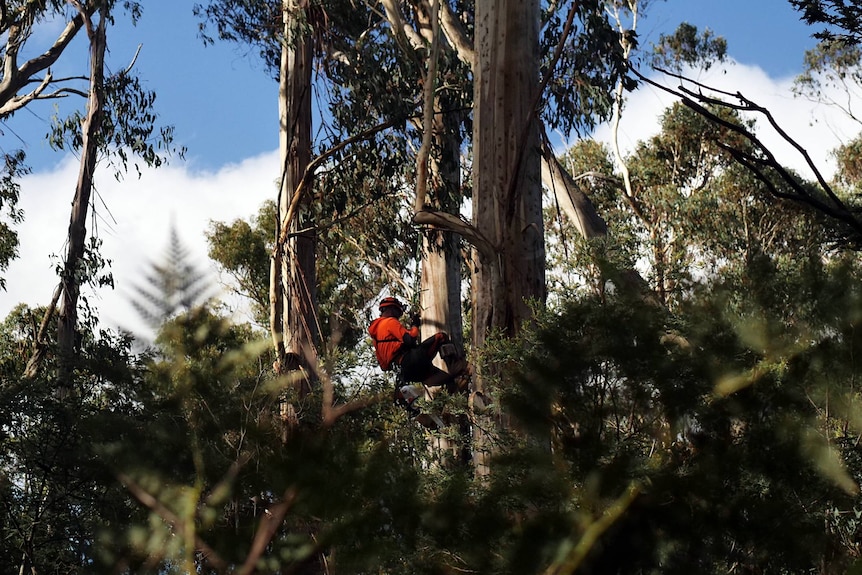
[{"x": 389, "y": 339}]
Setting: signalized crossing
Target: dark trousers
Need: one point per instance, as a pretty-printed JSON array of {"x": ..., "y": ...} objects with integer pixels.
[{"x": 416, "y": 365}]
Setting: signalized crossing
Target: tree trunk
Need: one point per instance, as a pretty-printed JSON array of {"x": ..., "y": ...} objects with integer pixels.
[
  {"x": 67, "y": 334},
  {"x": 507, "y": 202},
  {"x": 293, "y": 291},
  {"x": 507, "y": 191},
  {"x": 440, "y": 297}
]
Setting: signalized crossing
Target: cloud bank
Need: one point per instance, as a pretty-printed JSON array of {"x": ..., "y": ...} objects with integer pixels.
[{"x": 133, "y": 217}]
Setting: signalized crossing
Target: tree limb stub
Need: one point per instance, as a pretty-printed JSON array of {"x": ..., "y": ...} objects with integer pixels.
[{"x": 453, "y": 223}]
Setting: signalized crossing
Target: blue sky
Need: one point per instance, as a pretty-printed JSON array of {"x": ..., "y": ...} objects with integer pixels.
[
  {"x": 224, "y": 109},
  {"x": 223, "y": 104},
  {"x": 766, "y": 33}
]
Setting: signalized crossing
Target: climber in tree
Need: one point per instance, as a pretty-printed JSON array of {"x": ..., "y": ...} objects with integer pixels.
[{"x": 397, "y": 345}]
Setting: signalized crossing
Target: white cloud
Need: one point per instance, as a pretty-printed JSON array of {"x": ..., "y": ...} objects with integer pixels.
[
  {"x": 133, "y": 219},
  {"x": 136, "y": 222},
  {"x": 818, "y": 128}
]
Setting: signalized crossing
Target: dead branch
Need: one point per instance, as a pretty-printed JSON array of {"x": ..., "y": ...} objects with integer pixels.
[{"x": 763, "y": 163}]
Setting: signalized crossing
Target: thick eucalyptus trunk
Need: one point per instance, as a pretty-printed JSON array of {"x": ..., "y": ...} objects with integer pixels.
[
  {"x": 293, "y": 279},
  {"x": 507, "y": 190},
  {"x": 507, "y": 204}
]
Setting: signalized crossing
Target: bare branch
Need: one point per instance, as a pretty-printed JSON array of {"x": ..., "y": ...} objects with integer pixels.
[
  {"x": 40, "y": 346},
  {"x": 15, "y": 78},
  {"x": 269, "y": 524},
  {"x": 315, "y": 163},
  {"x": 758, "y": 164},
  {"x": 18, "y": 102}
]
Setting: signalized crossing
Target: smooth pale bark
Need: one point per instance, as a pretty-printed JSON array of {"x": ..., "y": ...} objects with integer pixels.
[
  {"x": 17, "y": 76},
  {"x": 440, "y": 286},
  {"x": 572, "y": 201},
  {"x": 293, "y": 281}
]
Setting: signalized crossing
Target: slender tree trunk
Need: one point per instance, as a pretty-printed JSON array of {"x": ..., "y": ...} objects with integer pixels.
[
  {"x": 440, "y": 297},
  {"x": 67, "y": 335},
  {"x": 441, "y": 263},
  {"x": 293, "y": 280}
]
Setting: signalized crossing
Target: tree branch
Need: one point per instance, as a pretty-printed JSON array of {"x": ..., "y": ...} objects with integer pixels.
[
  {"x": 457, "y": 36},
  {"x": 453, "y": 223},
  {"x": 178, "y": 525},
  {"x": 315, "y": 163},
  {"x": 835, "y": 208},
  {"x": 427, "y": 110}
]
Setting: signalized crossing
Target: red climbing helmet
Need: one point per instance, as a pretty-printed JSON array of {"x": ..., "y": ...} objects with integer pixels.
[{"x": 391, "y": 302}]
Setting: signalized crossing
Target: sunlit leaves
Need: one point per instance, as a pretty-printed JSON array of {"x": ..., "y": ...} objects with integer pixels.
[{"x": 10, "y": 215}]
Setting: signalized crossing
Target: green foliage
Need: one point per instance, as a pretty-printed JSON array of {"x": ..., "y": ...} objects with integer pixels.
[
  {"x": 13, "y": 168},
  {"x": 849, "y": 160},
  {"x": 174, "y": 286},
  {"x": 243, "y": 250},
  {"x": 633, "y": 398},
  {"x": 128, "y": 126},
  {"x": 579, "y": 92},
  {"x": 692, "y": 213},
  {"x": 827, "y": 67},
  {"x": 56, "y": 494},
  {"x": 842, "y": 19},
  {"x": 686, "y": 47}
]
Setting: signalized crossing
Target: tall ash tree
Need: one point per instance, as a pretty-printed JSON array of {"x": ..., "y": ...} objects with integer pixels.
[{"x": 118, "y": 118}]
